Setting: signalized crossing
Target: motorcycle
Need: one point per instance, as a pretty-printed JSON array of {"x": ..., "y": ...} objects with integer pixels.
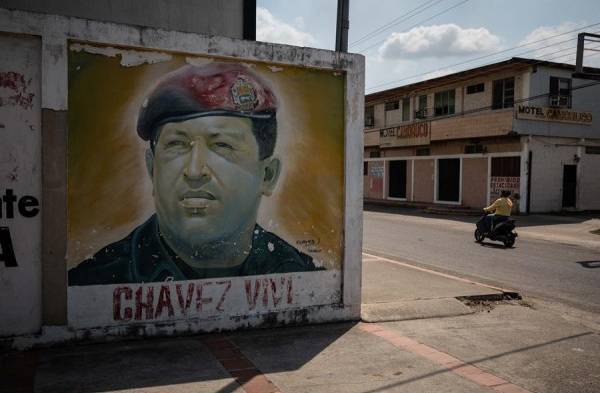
[{"x": 503, "y": 231}]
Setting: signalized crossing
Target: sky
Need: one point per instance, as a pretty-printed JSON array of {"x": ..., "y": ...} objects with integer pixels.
[{"x": 406, "y": 41}]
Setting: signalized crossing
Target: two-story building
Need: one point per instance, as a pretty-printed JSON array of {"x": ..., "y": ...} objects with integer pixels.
[{"x": 521, "y": 125}]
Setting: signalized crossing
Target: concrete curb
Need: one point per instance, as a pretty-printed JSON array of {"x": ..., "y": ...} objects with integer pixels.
[{"x": 414, "y": 309}]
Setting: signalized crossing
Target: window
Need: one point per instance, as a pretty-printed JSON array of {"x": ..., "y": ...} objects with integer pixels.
[
  {"x": 369, "y": 116},
  {"x": 365, "y": 168},
  {"x": 474, "y": 148},
  {"x": 478, "y": 88},
  {"x": 444, "y": 103},
  {"x": 506, "y": 167},
  {"x": 392, "y": 105},
  {"x": 503, "y": 93},
  {"x": 423, "y": 151},
  {"x": 406, "y": 109},
  {"x": 421, "y": 113},
  {"x": 560, "y": 92},
  {"x": 592, "y": 150},
  {"x": 374, "y": 154}
]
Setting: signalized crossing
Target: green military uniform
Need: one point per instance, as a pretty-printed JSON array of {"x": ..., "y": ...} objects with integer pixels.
[{"x": 144, "y": 257}]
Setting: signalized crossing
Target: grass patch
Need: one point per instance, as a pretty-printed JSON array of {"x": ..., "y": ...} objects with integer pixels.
[{"x": 596, "y": 232}]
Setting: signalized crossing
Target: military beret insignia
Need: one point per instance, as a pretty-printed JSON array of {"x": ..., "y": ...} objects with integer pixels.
[{"x": 243, "y": 95}]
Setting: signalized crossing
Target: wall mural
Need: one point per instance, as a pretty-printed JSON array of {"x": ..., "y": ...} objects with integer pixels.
[{"x": 189, "y": 168}]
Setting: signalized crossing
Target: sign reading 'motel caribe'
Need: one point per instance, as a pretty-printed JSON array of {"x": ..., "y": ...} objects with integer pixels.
[
  {"x": 527, "y": 112},
  {"x": 406, "y": 135}
]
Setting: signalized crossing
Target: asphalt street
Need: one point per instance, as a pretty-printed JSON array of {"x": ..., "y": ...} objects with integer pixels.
[{"x": 548, "y": 270}]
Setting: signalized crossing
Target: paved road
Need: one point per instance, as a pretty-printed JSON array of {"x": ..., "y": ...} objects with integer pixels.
[{"x": 537, "y": 268}]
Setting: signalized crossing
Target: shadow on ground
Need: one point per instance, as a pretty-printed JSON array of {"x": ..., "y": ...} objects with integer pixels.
[
  {"x": 589, "y": 264},
  {"x": 181, "y": 364}
]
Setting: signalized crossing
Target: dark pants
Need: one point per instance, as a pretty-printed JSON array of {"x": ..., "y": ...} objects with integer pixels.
[{"x": 492, "y": 220}]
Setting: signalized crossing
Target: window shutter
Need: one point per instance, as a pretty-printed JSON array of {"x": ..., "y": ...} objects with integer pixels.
[{"x": 553, "y": 85}]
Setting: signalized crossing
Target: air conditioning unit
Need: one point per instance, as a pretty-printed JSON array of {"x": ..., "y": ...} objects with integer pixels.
[
  {"x": 421, "y": 113},
  {"x": 558, "y": 101},
  {"x": 475, "y": 149}
]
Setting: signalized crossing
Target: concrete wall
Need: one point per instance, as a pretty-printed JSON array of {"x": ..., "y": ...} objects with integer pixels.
[
  {"x": 474, "y": 182},
  {"x": 478, "y": 100},
  {"x": 549, "y": 156},
  {"x": 393, "y": 117},
  {"x": 379, "y": 115},
  {"x": 95, "y": 311},
  {"x": 499, "y": 122},
  {"x": 211, "y": 17},
  {"x": 21, "y": 185},
  {"x": 585, "y": 99},
  {"x": 423, "y": 183},
  {"x": 589, "y": 189},
  {"x": 409, "y": 179}
]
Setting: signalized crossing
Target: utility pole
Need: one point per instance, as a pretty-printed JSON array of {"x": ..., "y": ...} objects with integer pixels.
[{"x": 343, "y": 24}]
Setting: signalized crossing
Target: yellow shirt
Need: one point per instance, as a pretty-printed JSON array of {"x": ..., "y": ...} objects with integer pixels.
[{"x": 501, "y": 207}]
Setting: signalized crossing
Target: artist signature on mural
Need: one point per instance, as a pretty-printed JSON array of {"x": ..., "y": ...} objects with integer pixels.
[{"x": 310, "y": 245}]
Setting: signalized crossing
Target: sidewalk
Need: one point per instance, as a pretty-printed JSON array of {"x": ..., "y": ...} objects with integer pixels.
[{"x": 490, "y": 347}]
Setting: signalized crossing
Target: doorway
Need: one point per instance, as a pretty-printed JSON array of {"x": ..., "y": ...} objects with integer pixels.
[
  {"x": 569, "y": 195},
  {"x": 397, "y": 179},
  {"x": 448, "y": 180}
]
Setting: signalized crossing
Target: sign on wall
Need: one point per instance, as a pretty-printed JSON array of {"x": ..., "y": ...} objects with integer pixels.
[
  {"x": 500, "y": 183},
  {"x": 190, "y": 190},
  {"x": 562, "y": 115},
  {"x": 20, "y": 185},
  {"x": 414, "y": 134},
  {"x": 374, "y": 181},
  {"x": 506, "y": 176}
]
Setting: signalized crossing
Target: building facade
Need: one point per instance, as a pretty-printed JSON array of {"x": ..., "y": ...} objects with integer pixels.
[{"x": 521, "y": 125}]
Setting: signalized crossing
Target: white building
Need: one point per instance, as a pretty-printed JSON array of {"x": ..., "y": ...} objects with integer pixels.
[{"x": 521, "y": 124}]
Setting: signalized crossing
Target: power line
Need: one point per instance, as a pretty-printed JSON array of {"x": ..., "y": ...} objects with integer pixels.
[
  {"x": 417, "y": 24},
  {"x": 397, "y": 21},
  {"x": 510, "y": 66},
  {"x": 492, "y": 54},
  {"x": 489, "y": 55}
]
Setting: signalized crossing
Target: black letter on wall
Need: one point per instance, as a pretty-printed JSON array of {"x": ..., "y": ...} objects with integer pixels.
[{"x": 8, "y": 254}]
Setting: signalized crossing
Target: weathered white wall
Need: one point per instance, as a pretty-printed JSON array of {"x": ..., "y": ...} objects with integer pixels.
[
  {"x": 56, "y": 31},
  {"x": 584, "y": 99},
  {"x": 20, "y": 174},
  {"x": 549, "y": 156},
  {"x": 214, "y": 17},
  {"x": 589, "y": 186}
]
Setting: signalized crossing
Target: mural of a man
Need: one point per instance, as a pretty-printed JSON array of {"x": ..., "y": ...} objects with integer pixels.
[{"x": 211, "y": 131}]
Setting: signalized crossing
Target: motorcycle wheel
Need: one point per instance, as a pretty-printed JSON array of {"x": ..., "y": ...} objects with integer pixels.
[
  {"x": 478, "y": 236},
  {"x": 510, "y": 241}
]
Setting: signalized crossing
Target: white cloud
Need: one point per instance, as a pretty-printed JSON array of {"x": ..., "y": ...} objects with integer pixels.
[
  {"x": 271, "y": 29},
  {"x": 439, "y": 41},
  {"x": 554, "y": 49}
]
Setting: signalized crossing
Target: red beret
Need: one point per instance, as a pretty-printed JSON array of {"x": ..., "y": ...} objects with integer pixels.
[{"x": 214, "y": 89}]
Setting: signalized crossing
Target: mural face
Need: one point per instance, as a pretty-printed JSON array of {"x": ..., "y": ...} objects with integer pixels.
[{"x": 205, "y": 168}]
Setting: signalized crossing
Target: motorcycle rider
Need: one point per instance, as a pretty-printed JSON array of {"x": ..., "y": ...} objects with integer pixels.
[{"x": 500, "y": 210}]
